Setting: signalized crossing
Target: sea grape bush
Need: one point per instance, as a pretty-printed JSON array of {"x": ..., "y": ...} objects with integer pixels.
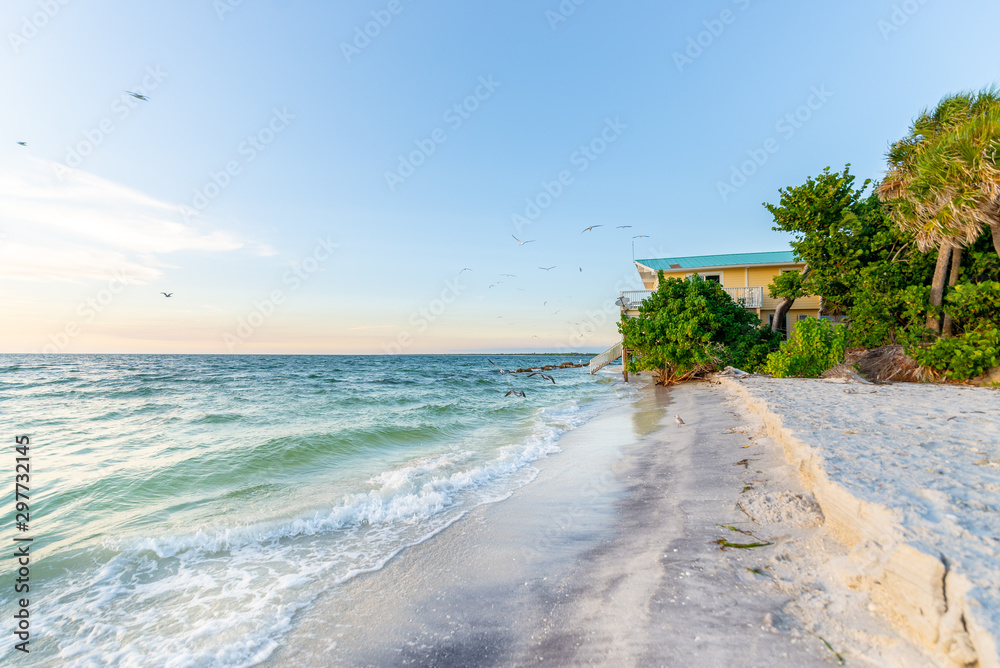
[
  {"x": 975, "y": 308},
  {"x": 689, "y": 327},
  {"x": 817, "y": 346},
  {"x": 961, "y": 357}
]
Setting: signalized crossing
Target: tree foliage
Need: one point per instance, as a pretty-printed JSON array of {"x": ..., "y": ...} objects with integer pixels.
[
  {"x": 816, "y": 347},
  {"x": 690, "y": 327},
  {"x": 943, "y": 181}
]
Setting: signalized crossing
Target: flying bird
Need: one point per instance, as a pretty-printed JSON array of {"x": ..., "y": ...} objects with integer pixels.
[
  {"x": 641, "y": 236},
  {"x": 581, "y": 270},
  {"x": 622, "y": 227},
  {"x": 679, "y": 420},
  {"x": 137, "y": 96},
  {"x": 494, "y": 364},
  {"x": 22, "y": 143},
  {"x": 495, "y": 284},
  {"x": 590, "y": 228},
  {"x": 544, "y": 376},
  {"x": 167, "y": 294},
  {"x": 515, "y": 393},
  {"x": 547, "y": 268},
  {"x": 464, "y": 270},
  {"x": 509, "y": 275},
  {"x": 522, "y": 242}
]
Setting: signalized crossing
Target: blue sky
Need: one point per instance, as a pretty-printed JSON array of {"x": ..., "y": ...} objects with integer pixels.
[{"x": 253, "y": 184}]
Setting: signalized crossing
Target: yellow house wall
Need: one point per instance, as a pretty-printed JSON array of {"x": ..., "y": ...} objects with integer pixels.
[{"x": 755, "y": 277}]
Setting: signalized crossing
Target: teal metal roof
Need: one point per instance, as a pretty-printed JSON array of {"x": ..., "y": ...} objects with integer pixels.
[{"x": 733, "y": 259}]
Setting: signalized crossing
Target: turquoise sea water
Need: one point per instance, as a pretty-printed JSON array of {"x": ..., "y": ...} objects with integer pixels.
[{"x": 184, "y": 508}]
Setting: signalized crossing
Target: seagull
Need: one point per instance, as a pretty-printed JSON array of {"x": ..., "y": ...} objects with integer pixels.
[
  {"x": 22, "y": 143},
  {"x": 509, "y": 275},
  {"x": 622, "y": 227},
  {"x": 167, "y": 294},
  {"x": 590, "y": 228},
  {"x": 544, "y": 376},
  {"x": 641, "y": 236},
  {"x": 679, "y": 420},
  {"x": 137, "y": 96},
  {"x": 515, "y": 393},
  {"x": 522, "y": 242},
  {"x": 464, "y": 270},
  {"x": 547, "y": 268},
  {"x": 534, "y": 337},
  {"x": 494, "y": 364},
  {"x": 495, "y": 284},
  {"x": 581, "y": 270}
]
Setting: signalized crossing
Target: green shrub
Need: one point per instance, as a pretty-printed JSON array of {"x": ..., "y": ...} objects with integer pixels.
[
  {"x": 975, "y": 308},
  {"x": 689, "y": 327},
  {"x": 961, "y": 357},
  {"x": 816, "y": 346},
  {"x": 974, "y": 305}
]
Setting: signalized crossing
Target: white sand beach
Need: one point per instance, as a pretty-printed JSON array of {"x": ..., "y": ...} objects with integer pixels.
[
  {"x": 908, "y": 476},
  {"x": 612, "y": 556}
]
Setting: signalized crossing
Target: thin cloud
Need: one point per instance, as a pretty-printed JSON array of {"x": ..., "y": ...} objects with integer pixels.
[{"x": 83, "y": 227}]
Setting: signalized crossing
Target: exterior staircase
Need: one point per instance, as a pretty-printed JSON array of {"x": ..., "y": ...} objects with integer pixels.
[{"x": 607, "y": 357}]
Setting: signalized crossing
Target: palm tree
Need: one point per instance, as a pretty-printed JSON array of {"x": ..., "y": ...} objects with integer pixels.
[{"x": 943, "y": 181}]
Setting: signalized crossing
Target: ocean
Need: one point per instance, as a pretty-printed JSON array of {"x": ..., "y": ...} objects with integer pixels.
[{"x": 185, "y": 508}]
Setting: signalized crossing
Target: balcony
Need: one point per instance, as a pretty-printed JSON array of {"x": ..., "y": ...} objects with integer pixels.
[{"x": 748, "y": 297}]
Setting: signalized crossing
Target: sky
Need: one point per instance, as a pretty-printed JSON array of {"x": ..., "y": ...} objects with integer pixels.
[{"x": 348, "y": 178}]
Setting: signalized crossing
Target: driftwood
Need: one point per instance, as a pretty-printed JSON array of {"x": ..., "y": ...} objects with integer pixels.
[{"x": 887, "y": 364}]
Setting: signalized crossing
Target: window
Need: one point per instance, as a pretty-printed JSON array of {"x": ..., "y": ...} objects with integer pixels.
[
  {"x": 803, "y": 316},
  {"x": 715, "y": 278}
]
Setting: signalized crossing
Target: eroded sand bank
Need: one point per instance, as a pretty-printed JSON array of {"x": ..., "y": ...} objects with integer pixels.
[{"x": 611, "y": 557}]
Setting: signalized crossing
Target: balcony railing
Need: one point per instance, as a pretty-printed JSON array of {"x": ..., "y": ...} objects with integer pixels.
[{"x": 750, "y": 297}]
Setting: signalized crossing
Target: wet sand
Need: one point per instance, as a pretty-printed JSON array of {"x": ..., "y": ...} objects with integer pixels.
[{"x": 611, "y": 557}]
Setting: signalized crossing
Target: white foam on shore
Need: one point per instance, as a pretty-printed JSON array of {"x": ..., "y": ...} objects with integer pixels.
[{"x": 222, "y": 595}]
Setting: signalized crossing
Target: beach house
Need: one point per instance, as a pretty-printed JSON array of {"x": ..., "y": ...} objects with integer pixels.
[{"x": 744, "y": 276}]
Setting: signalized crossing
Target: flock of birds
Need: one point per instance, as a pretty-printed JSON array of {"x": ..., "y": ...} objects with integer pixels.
[{"x": 522, "y": 242}]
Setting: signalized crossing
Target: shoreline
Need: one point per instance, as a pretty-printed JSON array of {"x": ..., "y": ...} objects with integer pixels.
[{"x": 612, "y": 557}]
